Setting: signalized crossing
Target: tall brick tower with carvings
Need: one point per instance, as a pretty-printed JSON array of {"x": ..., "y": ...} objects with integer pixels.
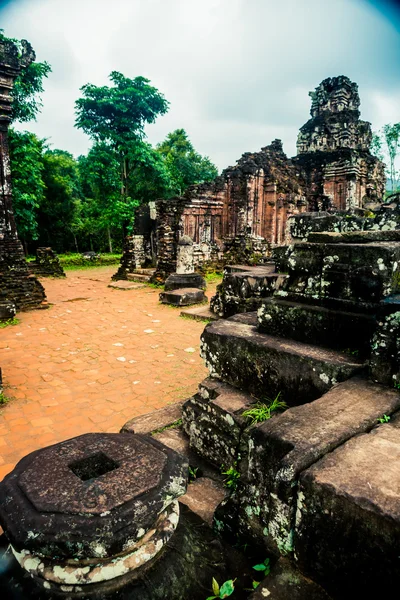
[
  {"x": 333, "y": 150},
  {"x": 17, "y": 284}
]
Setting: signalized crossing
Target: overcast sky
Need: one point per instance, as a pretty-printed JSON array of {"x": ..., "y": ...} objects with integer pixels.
[{"x": 236, "y": 72}]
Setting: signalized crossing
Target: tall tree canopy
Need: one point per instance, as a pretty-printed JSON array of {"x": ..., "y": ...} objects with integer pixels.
[
  {"x": 185, "y": 165},
  {"x": 117, "y": 115}
]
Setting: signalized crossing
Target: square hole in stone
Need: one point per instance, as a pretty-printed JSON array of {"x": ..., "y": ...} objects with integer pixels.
[{"x": 93, "y": 466}]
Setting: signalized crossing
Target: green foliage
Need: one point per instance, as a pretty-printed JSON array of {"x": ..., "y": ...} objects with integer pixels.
[
  {"x": 262, "y": 411},
  {"x": 173, "y": 425},
  {"x": 118, "y": 114},
  {"x": 385, "y": 145},
  {"x": 76, "y": 261},
  {"x": 27, "y": 87},
  {"x": 384, "y": 419},
  {"x": 27, "y": 177},
  {"x": 3, "y": 399},
  {"x": 57, "y": 212},
  {"x": 185, "y": 165},
  {"x": 232, "y": 477},
  {"x": 223, "y": 591},
  {"x": 193, "y": 473},
  {"x": 263, "y": 567},
  {"x": 13, "y": 321}
]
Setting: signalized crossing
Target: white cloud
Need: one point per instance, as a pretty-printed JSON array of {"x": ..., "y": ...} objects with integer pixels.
[{"x": 237, "y": 72}]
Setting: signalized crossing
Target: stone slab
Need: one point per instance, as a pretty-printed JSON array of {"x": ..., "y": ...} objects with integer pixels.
[
  {"x": 276, "y": 452},
  {"x": 349, "y": 501},
  {"x": 199, "y": 313},
  {"x": 265, "y": 366},
  {"x": 268, "y": 267},
  {"x": 317, "y": 325},
  {"x": 183, "y": 297},
  {"x": 155, "y": 420},
  {"x": 203, "y": 496},
  {"x": 185, "y": 280},
  {"x": 285, "y": 582},
  {"x": 123, "y": 284},
  {"x": 7, "y": 310},
  {"x": 355, "y": 237}
]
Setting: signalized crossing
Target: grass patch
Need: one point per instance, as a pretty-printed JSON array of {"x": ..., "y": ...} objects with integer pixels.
[
  {"x": 77, "y": 261},
  {"x": 173, "y": 425},
  {"x": 262, "y": 411},
  {"x": 13, "y": 321},
  {"x": 3, "y": 399},
  {"x": 213, "y": 277}
]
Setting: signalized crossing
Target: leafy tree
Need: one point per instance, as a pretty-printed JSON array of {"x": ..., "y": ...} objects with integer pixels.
[
  {"x": 186, "y": 166},
  {"x": 57, "y": 210},
  {"x": 117, "y": 115},
  {"x": 386, "y": 146},
  {"x": 28, "y": 186},
  {"x": 27, "y": 87}
]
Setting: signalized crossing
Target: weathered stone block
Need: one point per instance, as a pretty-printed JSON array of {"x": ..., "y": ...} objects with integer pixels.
[
  {"x": 203, "y": 496},
  {"x": 183, "y": 297},
  {"x": 385, "y": 349},
  {"x": 242, "y": 291},
  {"x": 213, "y": 421},
  {"x": 317, "y": 325},
  {"x": 348, "y": 517},
  {"x": 264, "y": 365},
  {"x": 364, "y": 273},
  {"x": 178, "y": 281},
  {"x": 276, "y": 452}
]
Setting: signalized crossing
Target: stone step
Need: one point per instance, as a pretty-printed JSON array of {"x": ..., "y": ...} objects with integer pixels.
[
  {"x": 266, "y": 366},
  {"x": 183, "y": 297},
  {"x": 154, "y": 421},
  {"x": 213, "y": 421},
  {"x": 316, "y": 325},
  {"x": 275, "y": 453},
  {"x": 199, "y": 313},
  {"x": 123, "y": 284},
  {"x": 203, "y": 496},
  {"x": 140, "y": 277},
  {"x": 350, "y": 500},
  {"x": 268, "y": 267}
]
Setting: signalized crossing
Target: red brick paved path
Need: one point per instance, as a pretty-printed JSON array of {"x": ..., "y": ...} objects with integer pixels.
[{"x": 95, "y": 359}]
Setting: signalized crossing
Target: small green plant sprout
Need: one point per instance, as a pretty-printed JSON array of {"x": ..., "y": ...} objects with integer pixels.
[
  {"x": 232, "y": 477},
  {"x": 384, "y": 419},
  {"x": 396, "y": 386},
  {"x": 193, "y": 473},
  {"x": 224, "y": 591},
  {"x": 3, "y": 399},
  {"x": 263, "y": 568},
  {"x": 262, "y": 411}
]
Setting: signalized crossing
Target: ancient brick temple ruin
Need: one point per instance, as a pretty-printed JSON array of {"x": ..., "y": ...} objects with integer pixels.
[
  {"x": 17, "y": 284},
  {"x": 242, "y": 213},
  {"x": 333, "y": 150}
]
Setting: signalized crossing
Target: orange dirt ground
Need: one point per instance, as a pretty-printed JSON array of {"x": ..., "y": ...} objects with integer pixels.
[{"x": 95, "y": 359}]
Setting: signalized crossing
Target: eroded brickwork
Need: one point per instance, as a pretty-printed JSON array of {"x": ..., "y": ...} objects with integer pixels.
[{"x": 17, "y": 283}]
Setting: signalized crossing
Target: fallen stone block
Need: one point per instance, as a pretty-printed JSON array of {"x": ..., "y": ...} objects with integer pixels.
[
  {"x": 348, "y": 517},
  {"x": 178, "y": 281},
  {"x": 154, "y": 421}
]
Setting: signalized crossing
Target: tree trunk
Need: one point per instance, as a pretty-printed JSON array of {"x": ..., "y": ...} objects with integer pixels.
[
  {"x": 76, "y": 243},
  {"x": 109, "y": 240}
]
